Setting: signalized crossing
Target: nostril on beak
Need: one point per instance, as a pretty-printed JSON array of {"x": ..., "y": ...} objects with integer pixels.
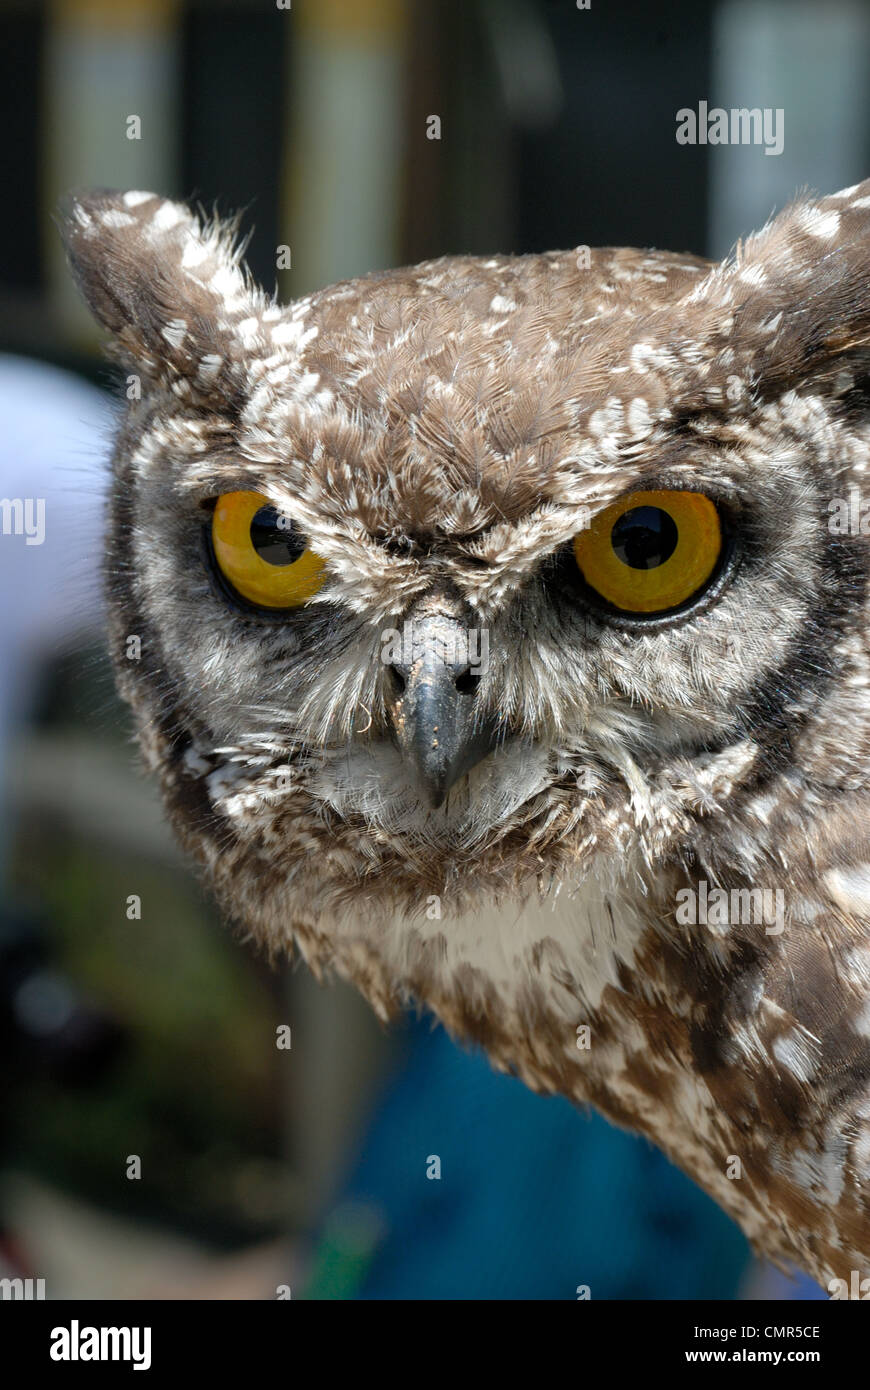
[{"x": 468, "y": 682}]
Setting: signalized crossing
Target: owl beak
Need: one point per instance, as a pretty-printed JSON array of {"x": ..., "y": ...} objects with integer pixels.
[{"x": 436, "y": 723}]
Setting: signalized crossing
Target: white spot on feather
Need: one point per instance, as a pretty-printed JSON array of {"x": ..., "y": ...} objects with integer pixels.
[
  {"x": 752, "y": 275},
  {"x": 195, "y": 252},
  {"x": 248, "y": 330},
  {"x": 792, "y": 1051},
  {"x": 817, "y": 223},
  {"x": 850, "y": 888},
  {"x": 209, "y": 368},
  {"x": 639, "y": 420},
  {"x": 113, "y": 217},
  {"x": 226, "y": 282},
  {"x": 175, "y": 332},
  {"x": 167, "y": 216},
  {"x": 292, "y": 333}
]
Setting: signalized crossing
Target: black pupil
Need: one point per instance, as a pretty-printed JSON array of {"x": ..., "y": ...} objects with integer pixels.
[
  {"x": 644, "y": 537},
  {"x": 275, "y": 538}
]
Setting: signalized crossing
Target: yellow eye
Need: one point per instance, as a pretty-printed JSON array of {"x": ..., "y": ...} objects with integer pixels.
[
  {"x": 262, "y": 554},
  {"x": 651, "y": 551}
]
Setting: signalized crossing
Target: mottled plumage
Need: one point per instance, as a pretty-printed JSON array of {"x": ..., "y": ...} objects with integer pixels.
[{"x": 440, "y": 433}]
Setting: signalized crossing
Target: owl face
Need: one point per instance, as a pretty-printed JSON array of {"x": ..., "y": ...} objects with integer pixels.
[{"x": 461, "y": 578}]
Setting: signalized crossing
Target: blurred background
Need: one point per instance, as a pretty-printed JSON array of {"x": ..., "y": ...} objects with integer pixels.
[{"x": 154, "y": 1140}]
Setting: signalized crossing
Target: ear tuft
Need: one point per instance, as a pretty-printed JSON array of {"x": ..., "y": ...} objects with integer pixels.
[
  {"x": 797, "y": 293},
  {"x": 169, "y": 286}
]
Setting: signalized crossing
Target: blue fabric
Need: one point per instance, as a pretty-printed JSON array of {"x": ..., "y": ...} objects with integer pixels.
[{"x": 534, "y": 1199}]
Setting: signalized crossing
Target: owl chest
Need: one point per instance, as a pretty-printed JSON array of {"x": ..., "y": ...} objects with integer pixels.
[{"x": 536, "y": 984}]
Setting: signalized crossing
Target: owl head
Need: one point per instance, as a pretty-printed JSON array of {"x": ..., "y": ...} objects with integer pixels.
[{"x": 470, "y": 580}]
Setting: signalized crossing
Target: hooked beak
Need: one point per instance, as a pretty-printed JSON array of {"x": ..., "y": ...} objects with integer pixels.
[{"x": 436, "y": 723}]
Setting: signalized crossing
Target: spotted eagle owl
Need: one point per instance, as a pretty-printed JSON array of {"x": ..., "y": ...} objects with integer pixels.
[{"x": 503, "y": 647}]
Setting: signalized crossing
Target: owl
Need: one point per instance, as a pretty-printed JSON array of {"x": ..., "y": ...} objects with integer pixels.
[{"x": 497, "y": 629}]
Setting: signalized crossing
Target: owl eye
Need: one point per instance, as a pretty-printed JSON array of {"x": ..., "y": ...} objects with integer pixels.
[
  {"x": 651, "y": 551},
  {"x": 262, "y": 553}
]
